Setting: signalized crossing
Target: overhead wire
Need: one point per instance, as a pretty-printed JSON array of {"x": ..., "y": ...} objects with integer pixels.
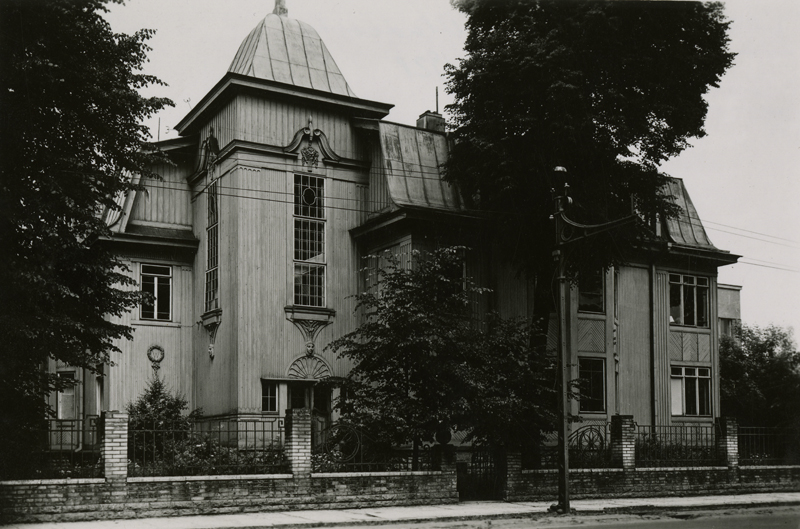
[
  {"x": 691, "y": 220},
  {"x": 776, "y": 266}
]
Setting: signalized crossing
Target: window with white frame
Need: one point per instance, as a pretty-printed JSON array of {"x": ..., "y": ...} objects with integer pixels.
[
  {"x": 309, "y": 241},
  {"x": 592, "y": 380},
  {"x": 269, "y": 396},
  {"x": 688, "y": 300},
  {"x": 212, "y": 249},
  {"x": 690, "y": 389},
  {"x": 156, "y": 281}
]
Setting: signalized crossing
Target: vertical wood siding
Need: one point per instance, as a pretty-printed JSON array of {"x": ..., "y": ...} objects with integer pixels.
[
  {"x": 216, "y": 379},
  {"x": 714, "y": 345},
  {"x": 377, "y": 198},
  {"x": 166, "y": 201},
  {"x": 128, "y": 379},
  {"x": 263, "y": 270},
  {"x": 634, "y": 344},
  {"x": 271, "y": 122},
  {"x": 661, "y": 391},
  {"x": 266, "y": 342}
]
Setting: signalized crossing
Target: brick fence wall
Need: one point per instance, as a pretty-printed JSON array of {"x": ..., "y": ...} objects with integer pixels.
[
  {"x": 120, "y": 496},
  {"x": 533, "y": 485},
  {"x": 627, "y": 480}
]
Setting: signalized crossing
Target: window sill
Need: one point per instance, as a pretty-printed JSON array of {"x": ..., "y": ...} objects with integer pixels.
[
  {"x": 693, "y": 418},
  {"x": 297, "y": 312},
  {"x": 689, "y": 328},
  {"x": 211, "y": 317},
  {"x": 689, "y": 363},
  {"x": 155, "y": 323}
]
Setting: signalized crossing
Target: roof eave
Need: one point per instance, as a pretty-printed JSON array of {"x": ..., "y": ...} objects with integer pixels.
[
  {"x": 713, "y": 255},
  {"x": 401, "y": 213},
  {"x": 233, "y": 82}
]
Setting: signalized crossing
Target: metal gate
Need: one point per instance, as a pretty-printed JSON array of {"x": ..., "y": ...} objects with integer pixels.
[{"x": 479, "y": 478}]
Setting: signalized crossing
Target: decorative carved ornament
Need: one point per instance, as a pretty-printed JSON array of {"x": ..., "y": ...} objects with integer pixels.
[
  {"x": 310, "y": 155},
  {"x": 211, "y": 321},
  {"x": 155, "y": 354},
  {"x": 309, "y": 367},
  {"x": 209, "y": 151},
  {"x": 310, "y": 330}
]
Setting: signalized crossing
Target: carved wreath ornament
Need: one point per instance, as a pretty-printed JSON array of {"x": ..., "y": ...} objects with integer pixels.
[{"x": 155, "y": 354}]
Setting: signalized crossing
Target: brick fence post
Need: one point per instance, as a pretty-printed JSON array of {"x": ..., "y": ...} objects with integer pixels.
[
  {"x": 728, "y": 441},
  {"x": 114, "y": 449},
  {"x": 623, "y": 442},
  {"x": 513, "y": 475},
  {"x": 298, "y": 441}
]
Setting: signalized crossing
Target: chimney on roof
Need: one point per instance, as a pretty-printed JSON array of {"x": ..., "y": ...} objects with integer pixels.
[{"x": 431, "y": 121}]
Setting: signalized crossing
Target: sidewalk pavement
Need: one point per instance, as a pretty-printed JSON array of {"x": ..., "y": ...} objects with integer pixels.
[{"x": 477, "y": 510}]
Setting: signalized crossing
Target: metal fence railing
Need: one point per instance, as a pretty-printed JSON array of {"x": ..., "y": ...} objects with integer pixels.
[
  {"x": 676, "y": 446},
  {"x": 768, "y": 446},
  {"x": 207, "y": 448},
  {"x": 59, "y": 448},
  {"x": 589, "y": 447},
  {"x": 343, "y": 448}
]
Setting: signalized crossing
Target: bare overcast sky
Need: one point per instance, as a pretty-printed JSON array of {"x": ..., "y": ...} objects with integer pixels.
[{"x": 744, "y": 177}]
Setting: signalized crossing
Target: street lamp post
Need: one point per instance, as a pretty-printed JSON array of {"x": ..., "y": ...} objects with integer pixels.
[
  {"x": 568, "y": 231},
  {"x": 560, "y": 203}
]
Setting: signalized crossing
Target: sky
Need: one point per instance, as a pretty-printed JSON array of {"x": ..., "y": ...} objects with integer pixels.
[{"x": 743, "y": 176}]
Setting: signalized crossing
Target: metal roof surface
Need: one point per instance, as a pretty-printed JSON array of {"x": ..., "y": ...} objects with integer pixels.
[
  {"x": 412, "y": 163},
  {"x": 288, "y": 51},
  {"x": 687, "y": 228}
]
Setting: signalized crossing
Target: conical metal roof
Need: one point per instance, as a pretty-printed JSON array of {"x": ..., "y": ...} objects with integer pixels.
[{"x": 288, "y": 51}]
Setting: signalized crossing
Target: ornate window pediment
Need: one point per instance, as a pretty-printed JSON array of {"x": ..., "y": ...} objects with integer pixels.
[{"x": 311, "y": 145}]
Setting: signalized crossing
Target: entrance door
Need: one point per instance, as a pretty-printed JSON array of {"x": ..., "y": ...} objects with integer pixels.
[
  {"x": 479, "y": 478},
  {"x": 305, "y": 395}
]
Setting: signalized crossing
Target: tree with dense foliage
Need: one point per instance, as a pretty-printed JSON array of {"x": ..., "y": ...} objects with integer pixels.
[
  {"x": 72, "y": 135},
  {"x": 423, "y": 365},
  {"x": 608, "y": 90},
  {"x": 760, "y": 376}
]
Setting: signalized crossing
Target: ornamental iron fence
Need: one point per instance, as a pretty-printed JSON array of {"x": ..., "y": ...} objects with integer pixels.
[
  {"x": 344, "y": 448},
  {"x": 208, "y": 447},
  {"x": 768, "y": 446},
  {"x": 59, "y": 448},
  {"x": 589, "y": 447},
  {"x": 686, "y": 445}
]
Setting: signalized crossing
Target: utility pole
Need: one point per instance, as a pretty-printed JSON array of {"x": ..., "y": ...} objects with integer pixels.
[
  {"x": 566, "y": 232},
  {"x": 560, "y": 203}
]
